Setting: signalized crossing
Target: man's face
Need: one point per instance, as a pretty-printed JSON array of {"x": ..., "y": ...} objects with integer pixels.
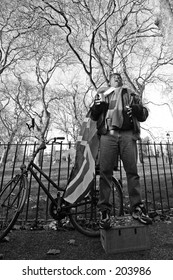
[{"x": 116, "y": 81}]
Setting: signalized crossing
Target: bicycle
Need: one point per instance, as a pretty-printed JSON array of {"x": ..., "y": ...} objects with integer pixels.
[{"x": 83, "y": 215}]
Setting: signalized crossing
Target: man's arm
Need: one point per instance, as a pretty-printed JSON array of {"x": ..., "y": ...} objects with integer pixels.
[
  {"x": 98, "y": 107},
  {"x": 139, "y": 111}
]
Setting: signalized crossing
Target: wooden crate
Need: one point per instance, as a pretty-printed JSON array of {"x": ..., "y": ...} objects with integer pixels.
[{"x": 125, "y": 237}]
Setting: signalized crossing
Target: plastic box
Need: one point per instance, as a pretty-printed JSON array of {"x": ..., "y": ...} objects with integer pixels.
[{"x": 125, "y": 237}]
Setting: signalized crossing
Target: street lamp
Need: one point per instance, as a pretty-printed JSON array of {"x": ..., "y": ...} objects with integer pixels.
[{"x": 168, "y": 136}]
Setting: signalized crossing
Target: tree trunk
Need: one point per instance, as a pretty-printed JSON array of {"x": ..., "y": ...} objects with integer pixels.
[
  {"x": 7, "y": 149},
  {"x": 166, "y": 22}
]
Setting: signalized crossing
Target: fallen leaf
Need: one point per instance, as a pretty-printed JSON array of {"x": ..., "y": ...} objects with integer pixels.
[
  {"x": 5, "y": 239},
  {"x": 72, "y": 241},
  {"x": 53, "y": 252}
]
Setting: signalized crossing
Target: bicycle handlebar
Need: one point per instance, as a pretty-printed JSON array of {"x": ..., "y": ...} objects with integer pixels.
[
  {"x": 54, "y": 139},
  {"x": 44, "y": 143}
]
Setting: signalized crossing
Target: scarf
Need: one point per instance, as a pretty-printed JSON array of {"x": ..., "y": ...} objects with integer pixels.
[{"x": 114, "y": 115}]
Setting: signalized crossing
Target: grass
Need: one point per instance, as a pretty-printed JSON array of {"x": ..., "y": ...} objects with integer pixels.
[{"x": 34, "y": 245}]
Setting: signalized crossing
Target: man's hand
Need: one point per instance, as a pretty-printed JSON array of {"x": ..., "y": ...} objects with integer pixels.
[
  {"x": 98, "y": 99},
  {"x": 129, "y": 111}
]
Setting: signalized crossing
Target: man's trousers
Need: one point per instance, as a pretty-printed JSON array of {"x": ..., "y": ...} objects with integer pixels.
[{"x": 121, "y": 143}]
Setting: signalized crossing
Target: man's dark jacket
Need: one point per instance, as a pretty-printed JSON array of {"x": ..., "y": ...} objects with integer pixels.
[{"x": 139, "y": 112}]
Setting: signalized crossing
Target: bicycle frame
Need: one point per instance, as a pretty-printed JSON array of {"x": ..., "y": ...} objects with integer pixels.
[
  {"x": 30, "y": 169},
  {"x": 57, "y": 203},
  {"x": 59, "y": 199},
  {"x": 41, "y": 172},
  {"x": 83, "y": 214}
]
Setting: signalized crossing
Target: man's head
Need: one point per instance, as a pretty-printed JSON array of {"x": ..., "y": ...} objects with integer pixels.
[{"x": 116, "y": 80}]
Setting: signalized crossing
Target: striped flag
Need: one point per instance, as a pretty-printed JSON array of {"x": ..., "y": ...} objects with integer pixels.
[{"x": 83, "y": 171}]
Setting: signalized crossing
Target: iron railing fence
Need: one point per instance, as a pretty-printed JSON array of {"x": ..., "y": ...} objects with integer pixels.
[{"x": 155, "y": 169}]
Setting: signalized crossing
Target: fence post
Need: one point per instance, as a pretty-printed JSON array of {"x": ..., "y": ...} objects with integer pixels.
[
  {"x": 143, "y": 170},
  {"x": 158, "y": 177},
  {"x": 164, "y": 170},
  {"x": 4, "y": 165}
]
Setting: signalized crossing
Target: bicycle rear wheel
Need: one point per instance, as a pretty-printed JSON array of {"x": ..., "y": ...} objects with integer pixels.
[
  {"x": 85, "y": 215},
  {"x": 12, "y": 200}
]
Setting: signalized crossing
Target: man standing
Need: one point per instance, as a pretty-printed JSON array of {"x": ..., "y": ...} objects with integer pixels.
[{"x": 118, "y": 112}]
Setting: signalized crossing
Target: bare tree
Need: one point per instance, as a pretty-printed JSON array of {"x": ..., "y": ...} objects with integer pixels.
[
  {"x": 34, "y": 95},
  {"x": 45, "y": 66},
  {"x": 164, "y": 20},
  {"x": 110, "y": 35},
  {"x": 11, "y": 115},
  {"x": 17, "y": 26},
  {"x": 12, "y": 122},
  {"x": 70, "y": 111},
  {"x": 103, "y": 34}
]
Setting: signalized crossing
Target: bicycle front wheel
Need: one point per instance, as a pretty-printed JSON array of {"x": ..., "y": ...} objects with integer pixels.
[
  {"x": 12, "y": 200},
  {"x": 85, "y": 215}
]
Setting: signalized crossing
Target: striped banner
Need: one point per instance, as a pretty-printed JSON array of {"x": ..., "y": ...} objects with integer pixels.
[{"x": 83, "y": 171}]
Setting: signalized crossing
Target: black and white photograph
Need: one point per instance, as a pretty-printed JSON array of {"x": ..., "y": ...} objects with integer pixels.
[{"x": 86, "y": 142}]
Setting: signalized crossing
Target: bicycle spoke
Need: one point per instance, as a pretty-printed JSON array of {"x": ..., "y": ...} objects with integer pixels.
[
  {"x": 12, "y": 198},
  {"x": 85, "y": 216}
]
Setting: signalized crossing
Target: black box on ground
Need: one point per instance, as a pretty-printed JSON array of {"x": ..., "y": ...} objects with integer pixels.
[{"x": 125, "y": 235}]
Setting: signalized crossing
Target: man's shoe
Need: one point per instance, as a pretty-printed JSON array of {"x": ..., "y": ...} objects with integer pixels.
[
  {"x": 139, "y": 213},
  {"x": 105, "y": 221}
]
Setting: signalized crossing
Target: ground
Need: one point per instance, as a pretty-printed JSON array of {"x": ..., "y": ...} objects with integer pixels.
[{"x": 61, "y": 244}]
